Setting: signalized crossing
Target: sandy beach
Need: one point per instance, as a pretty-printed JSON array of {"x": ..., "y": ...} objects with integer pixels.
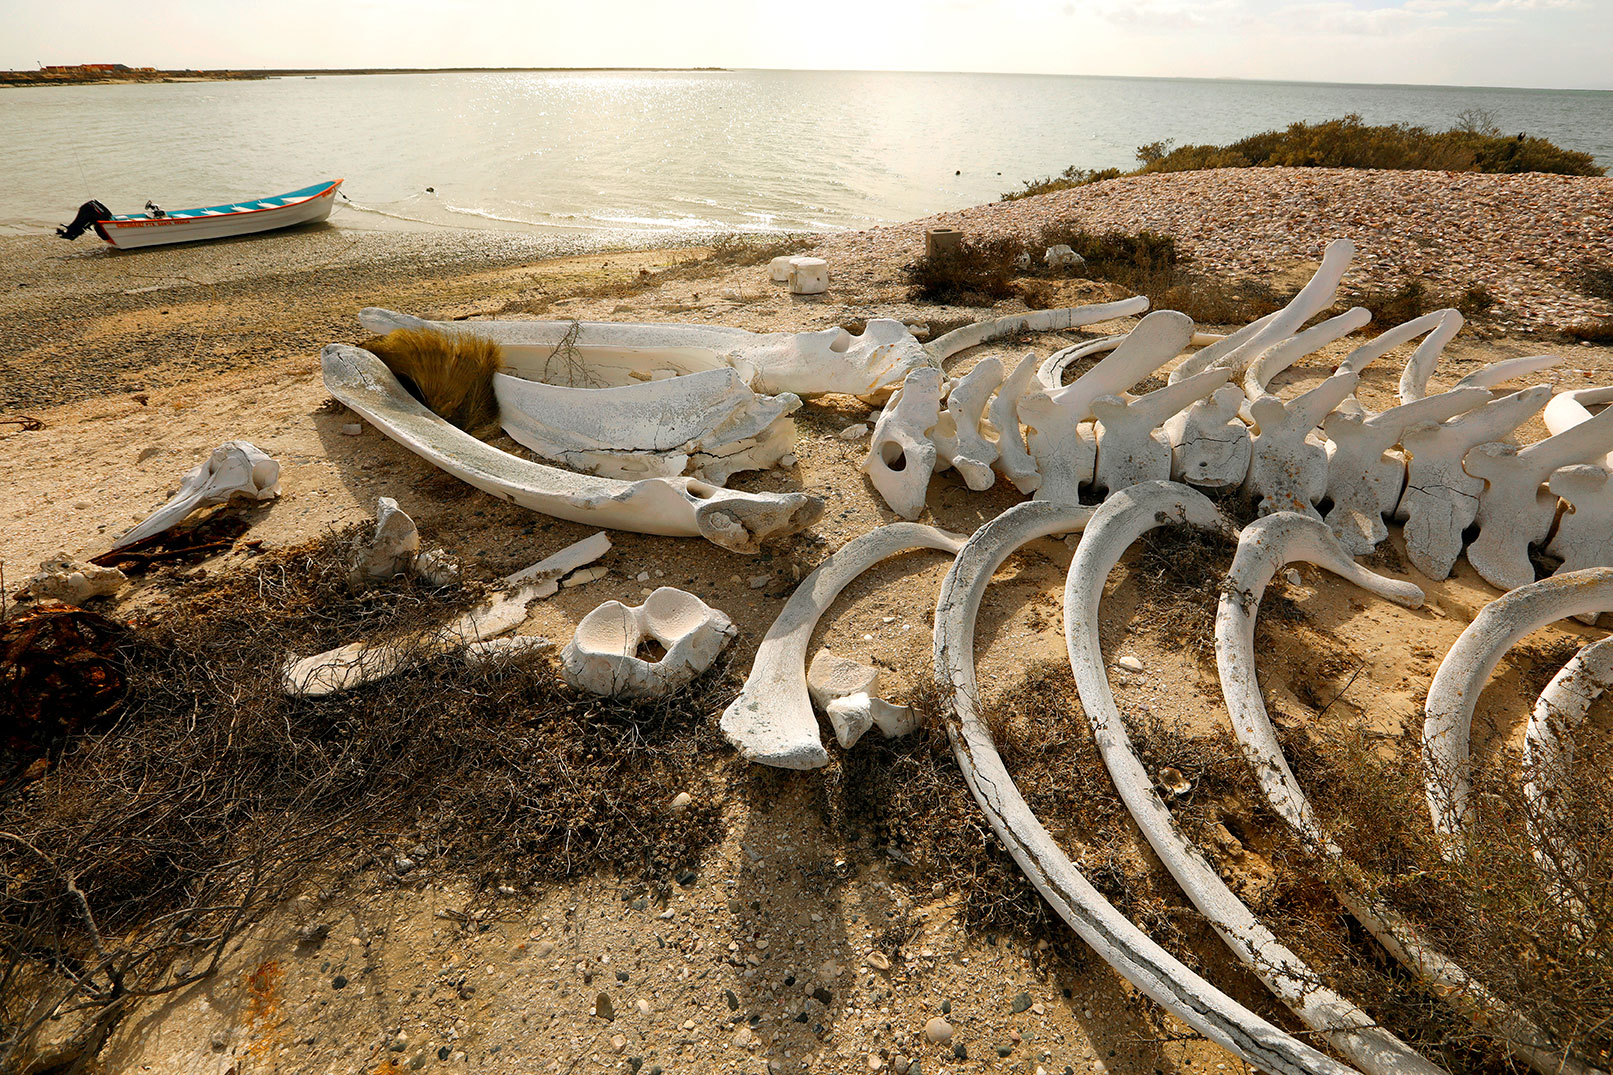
[{"x": 137, "y": 365}]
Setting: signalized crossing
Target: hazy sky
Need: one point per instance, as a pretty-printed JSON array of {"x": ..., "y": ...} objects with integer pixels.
[{"x": 1555, "y": 43}]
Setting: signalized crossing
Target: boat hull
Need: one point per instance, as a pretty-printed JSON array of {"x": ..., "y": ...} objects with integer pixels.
[{"x": 306, "y": 206}]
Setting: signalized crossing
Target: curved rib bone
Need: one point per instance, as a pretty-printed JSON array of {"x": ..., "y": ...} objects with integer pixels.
[
  {"x": 1264, "y": 548},
  {"x": 1129, "y": 452},
  {"x": 1364, "y": 478},
  {"x": 771, "y": 721},
  {"x": 1109, "y": 533},
  {"x": 1448, "y": 715},
  {"x": 959, "y": 441},
  {"x": 1050, "y": 374},
  {"x": 1120, "y": 943},
  {"x": 1441, "y": 498},
  {"x": 901, "y": 456},
  {"x": 1288, "y": 467},
  {"x": 1514, "y": 510},
  {"x": 681, "y": 507},
  {"x": 961, "y": 339}
]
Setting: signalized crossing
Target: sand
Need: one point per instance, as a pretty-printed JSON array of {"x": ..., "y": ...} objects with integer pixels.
[{"x": 138, "y": 365}]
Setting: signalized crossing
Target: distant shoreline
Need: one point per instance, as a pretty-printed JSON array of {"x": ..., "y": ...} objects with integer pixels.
[{"x": 93, "y": 78}]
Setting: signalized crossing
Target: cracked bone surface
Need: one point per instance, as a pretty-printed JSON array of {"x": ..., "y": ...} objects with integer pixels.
[
  {"x": 1515, "y": 510},
  {"x": 1210, "y": 444},
  {"x": 1365, "y": 476},
  {"x": 1441, "y": 498},
  {"x": 1288, "y": 463},
  {"x": 357, "y": 663},
  {"x": 71, "y": 582},
  {"x": 1121, "y": 520},
  {"x": 602, "y": 656},
  {"x": 588, "y": 354},
  {"x": 681, "y": 507},
  {"x": 1050, "y": 374},
  {"x": 1264, "y": 548},
  {"x": 1448, "y": 714},
  {"x": 960, "y": 442},
  {"x": 1548, "y": 764},
  {"x": 771, "y": 722},
  {"x": 848, "y": 693},
  {"x": 392, "y": 547},
  {"x": 236, "y": 468},
  {"x": 707, "y": 424},
  {"x": 1129, "y": 451},
  {"x": 902, "y": 456},
  {"x": 1127, "y": 949}
]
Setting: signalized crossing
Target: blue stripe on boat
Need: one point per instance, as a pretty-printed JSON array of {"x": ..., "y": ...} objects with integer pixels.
[{"x": 279, "y": 201}]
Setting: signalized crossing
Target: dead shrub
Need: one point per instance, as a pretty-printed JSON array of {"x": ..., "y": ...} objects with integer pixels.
[{"x": 975, "y": 274}]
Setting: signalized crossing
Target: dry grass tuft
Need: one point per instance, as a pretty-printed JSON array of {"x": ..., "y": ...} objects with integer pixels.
[{"x": 452, "y": 374}]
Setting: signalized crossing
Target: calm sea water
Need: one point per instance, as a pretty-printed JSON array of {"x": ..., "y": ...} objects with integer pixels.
[{"x": 675, "y": 151}]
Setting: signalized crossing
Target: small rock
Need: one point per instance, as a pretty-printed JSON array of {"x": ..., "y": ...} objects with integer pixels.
[
  {"x": 875, "y": 1062},
  {"x": 1292, "y": 576},
  {"x": 642, "y": 1005},
  {"x": 338, "y": 982},
  {"x": 758, "y": 581},
  {"x": 680, "y": 802},
  {"x": 1130, "y": 663},
  {"x": 603, "y": 1009},
  {"x": 1020, "y": 1003},
  {"x": 938, "y": 1031},
  {"x": 879, "y": 960},
  {"x": 617, "y": 1042},
  {"x": 899, "y": 1065},
  {"x": 352, "y": 429},
  {"x": 544, "y": 949},
  {"x": 787, "y": 461},
  {"x": 960, "y": 1052},
  {"x": 403, "y": 863},
  {"x": 855, "y": 432}
]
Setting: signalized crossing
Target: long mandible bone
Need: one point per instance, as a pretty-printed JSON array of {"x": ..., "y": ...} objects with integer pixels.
[
  {"x": 1514, "y": 510},
  {"x": 1264, "y": 548},
  {"x": 1441, "y": 498},
  {"x": 771, "y": 721},
  {"x": 1120, "y": 943},
  {"x": 1288, "y": 465},
  {"x": 1242, "y": 347},
  {"x": 1122, "y": 519},
  {"x": 1448, "y": 715},
  {"x": 1210, "y": 443},
  {"x": 959, "y": 440},
  {"x": 681, "y": 507},
  {"x": 1014, "y": 462},
  {"x": 1129, "y": 451},
  {"x": 901, "y": 456},
  {"x": 236, "y": 468},
  {"x": 1364, "y": 476}
]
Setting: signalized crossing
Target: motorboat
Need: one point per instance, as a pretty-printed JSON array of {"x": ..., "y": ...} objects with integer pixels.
[{"x": 157, "y": 226}]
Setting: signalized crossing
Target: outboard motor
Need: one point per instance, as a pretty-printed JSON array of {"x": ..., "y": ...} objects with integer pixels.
[{"x": 88, "y": 214}]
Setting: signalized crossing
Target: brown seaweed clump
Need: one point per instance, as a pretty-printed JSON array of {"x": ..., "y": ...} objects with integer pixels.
[{"x": 451, "y": 374}]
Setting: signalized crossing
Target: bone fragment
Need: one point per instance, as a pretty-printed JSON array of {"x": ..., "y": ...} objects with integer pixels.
[
  {"x": 959, "y": 440},
  {"x": 902, "y": 456},
  {"x": 847, "y": 692},
  {"x": 1120, "y": 943},
  {"x": 682, "y": 507},
  {"x": 71, "y": 582},
  {"x": 237, "y": 468},
  {"x": 602, "y": 656},
  {"x": 1448, "y": 715},
  {"x": 391, "y": 549},
  {"x": 1121, "y": 519},
  {"x": 771, "y": 721},
  {"x": 1210, "y": 444},
  {"x": 357, "y": 663}
]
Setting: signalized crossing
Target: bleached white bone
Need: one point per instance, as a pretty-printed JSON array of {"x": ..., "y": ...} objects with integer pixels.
[
  {"x": 848, "y": 693},
  {"x": 771, "y": 721},
  {"x": 1014, "y": 462},
  {"x": 602, "y": 656},
  {"x": 808, "y": 276},
  {"x": 1288, "y": 464},
  {"x": 1441, "y": 499},
  {"x": 391, "y": 549},
  {"x": 599, "y": 353},
  {"x": 1509, "y": 369},
  {"x": 1548, "y": 764},
  {"x": 1210, "y": 443},
  {"x": 1050, "y": 374},
  {"x": 1515, "y": 511},
  {"x": 707, "y": 424},
  {"x": 494, "y": 651},
  {"x": 960, "y": 442},
  {"x": 961, "y": 339},
  {"x": 1109, "y": 933},
  {"x": 1265, "y": 547},
  {"x": 901, "y": 456},
  {"x": 1156, "y": 340},
  {"x": 1452, "y": 696},
  {"x": 1124, "y": 517},
  {"x": 1568, "y": 409},
  {"x": 1248, "y": 343},
  {"x": 778, "y": 270},
  {"x": 1064, "y": 448},
  {"x": 357, "y": 663},
  {"x": 1365, "y": 476},
  {"x": 1445, "y": 324},
  {"x": 1584, "y": 536},
  {"x": 1062, "y": 257},
  {"x": 236, "y": 468},
  {"x": 1280, "y": 356},
  {"x": 681, "y": 507},
  {"x": 1129, "y": 449},
  {"x": 72, "y": 582}
]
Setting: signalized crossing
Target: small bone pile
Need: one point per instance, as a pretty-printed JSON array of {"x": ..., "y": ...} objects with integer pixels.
[{"x": 1439, "y": 464}]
